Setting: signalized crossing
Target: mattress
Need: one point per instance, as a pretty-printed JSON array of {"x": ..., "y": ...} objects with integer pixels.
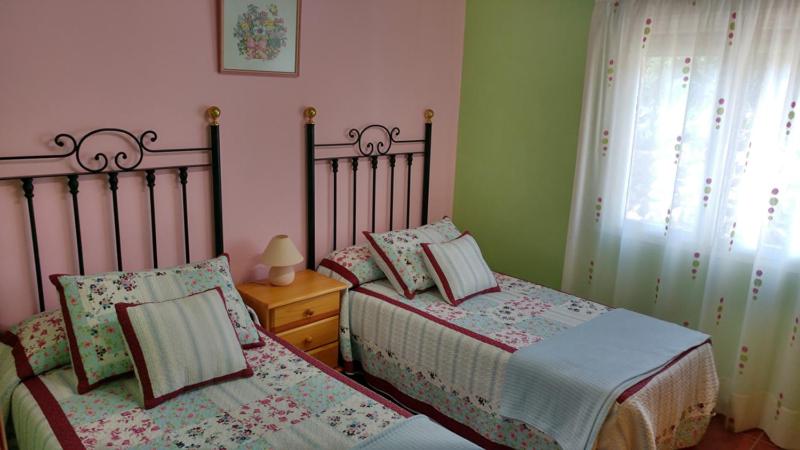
[
  {"x": 450, "y": 361},
  {"x": 292, "y": 401}
]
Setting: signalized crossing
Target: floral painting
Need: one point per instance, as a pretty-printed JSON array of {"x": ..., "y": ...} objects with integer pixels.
[{"x": 260, "y": 36}]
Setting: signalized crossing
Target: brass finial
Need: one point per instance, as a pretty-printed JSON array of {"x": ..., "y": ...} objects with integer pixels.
[
  {"x": 310, "y": 113},
  {"x": 428, "y": 115},
  {"x": 213, "y": 113}
]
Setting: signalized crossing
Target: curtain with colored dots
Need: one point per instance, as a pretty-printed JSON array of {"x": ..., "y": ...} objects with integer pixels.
[{"x": 686, "y": 202}]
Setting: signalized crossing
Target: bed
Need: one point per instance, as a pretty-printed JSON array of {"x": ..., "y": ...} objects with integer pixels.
[
  {"x": 292, "y": 401},
  {"x": 281, "y": 397},
  {"x": 450, "y": 361},
  {"x": 458, "y": 380}
]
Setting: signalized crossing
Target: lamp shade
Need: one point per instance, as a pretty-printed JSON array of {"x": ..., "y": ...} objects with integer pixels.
[{"x": 281, "y": 252}]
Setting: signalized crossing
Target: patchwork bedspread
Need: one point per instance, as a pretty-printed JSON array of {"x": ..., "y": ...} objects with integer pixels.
[
  {"x": 455, "y": 359},
  {"x": 289, "y": 403}
]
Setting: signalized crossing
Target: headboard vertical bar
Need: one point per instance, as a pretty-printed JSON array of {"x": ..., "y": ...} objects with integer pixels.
[
  {"x": 213, "y": 114},
  {"x": 426, "y": 173},
  {"x": 113, "y": 185},
  {"x": 310, "y": 112},
  {"x": 183, "y": 177},
  {"x": 374, "y": 162},
  {"x": 27, "y": 189},
  {"x": 391, "y": 191},
  {"x": 409, "y": 162},
  {"x": 103, "y": 165},
  {"x": 354, "y": 164},
  {"x": 150, "y": 178},
  {"x": 335, "y": 168},
  {"x": 72, "y": 184}
]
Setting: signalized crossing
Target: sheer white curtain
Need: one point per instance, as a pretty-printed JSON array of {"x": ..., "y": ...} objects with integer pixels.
[{"x": 686, "y": 203}]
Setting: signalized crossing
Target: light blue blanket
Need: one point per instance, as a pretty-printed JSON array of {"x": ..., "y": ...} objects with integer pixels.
[
  {"x": 565, "y": 385},
  {"x": 417, "y": 432}
]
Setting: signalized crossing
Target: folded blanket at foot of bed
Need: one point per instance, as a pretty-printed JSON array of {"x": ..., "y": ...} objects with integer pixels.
[
  {"x": 417, "y": 432},
  {"x": 566, "y": 385}
]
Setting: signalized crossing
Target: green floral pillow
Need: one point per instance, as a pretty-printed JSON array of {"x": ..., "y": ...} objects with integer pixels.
[
  {"x": 354, "y": 265},
  {"x": 96, "y": 343},
  {"x": 38, "y": 344},
  {"x": 399, "y": 254}
]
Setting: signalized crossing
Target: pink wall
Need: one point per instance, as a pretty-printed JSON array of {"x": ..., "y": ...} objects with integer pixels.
[{"x": 75, "y": 66}]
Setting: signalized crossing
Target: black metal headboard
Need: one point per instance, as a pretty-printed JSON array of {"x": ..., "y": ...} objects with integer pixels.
[
  {"x": 123, "y": 162},
  {"x": 372, "y": 151}
]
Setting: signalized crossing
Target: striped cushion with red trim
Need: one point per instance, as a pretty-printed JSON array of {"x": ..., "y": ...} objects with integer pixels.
[
  {"x": 181, "y": 344},
  {"x": 399, "y": 254},
  {"x": 95, "y": 341},
  {"x": 458, "y": 269}
]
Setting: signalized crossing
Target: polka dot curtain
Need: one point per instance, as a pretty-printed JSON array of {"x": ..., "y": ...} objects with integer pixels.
[{"x": 687, "y": 187}]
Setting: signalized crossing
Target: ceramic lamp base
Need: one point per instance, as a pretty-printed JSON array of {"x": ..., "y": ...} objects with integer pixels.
[{"x": 281, "y": 276}]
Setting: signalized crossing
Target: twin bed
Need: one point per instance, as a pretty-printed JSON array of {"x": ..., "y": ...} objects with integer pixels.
[
  {"x": 292, "y": 401},
  {"x": 289, "y": 401},
  {"x": 447, "y": 361},
  {"x": 450, "y": 362}
]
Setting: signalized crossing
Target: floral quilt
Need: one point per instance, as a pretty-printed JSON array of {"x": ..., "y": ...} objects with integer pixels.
[
  {"x": 453, "y": 359},
  {"x": 290, "y": 402}
]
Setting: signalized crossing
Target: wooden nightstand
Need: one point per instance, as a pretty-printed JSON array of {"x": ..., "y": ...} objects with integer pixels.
[{"x": 305, "y": 313}]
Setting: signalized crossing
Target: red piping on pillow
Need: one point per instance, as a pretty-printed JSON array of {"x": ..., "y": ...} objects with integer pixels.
[
  {"x": 138, "y": 355},
  {"x": 341, "y": 271},
  {"x": 77, "y": 364},
  {"x": 24, "y": 369},
  {"x": 485, "y": 291},
  {"x": 442, "y": 279},
  {"x": 409, "y": 295},
  {"x": 446, "y": 284}
]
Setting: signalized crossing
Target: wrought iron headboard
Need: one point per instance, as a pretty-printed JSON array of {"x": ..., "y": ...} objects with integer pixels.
[
  {"x": 372, "y": 151},
  {"x": 112, "y": 168}
]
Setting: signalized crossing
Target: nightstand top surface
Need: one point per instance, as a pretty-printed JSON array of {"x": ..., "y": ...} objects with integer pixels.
[{"x": 307, "y": 284}]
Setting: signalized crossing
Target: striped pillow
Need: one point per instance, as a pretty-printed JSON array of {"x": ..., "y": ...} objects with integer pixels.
[
  {"x": 399, "y": 254},
  {"x": 181, "y": 344},
  {"x": 458, "y": 269},
  {"x": 96, "y": 345}
]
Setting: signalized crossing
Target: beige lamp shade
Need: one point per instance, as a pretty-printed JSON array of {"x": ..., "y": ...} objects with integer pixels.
[
  {"x": 281, "y": 255},
  {"x": 281, "y": 252}
]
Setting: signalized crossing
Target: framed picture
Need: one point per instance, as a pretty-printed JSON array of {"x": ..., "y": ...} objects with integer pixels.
[{"x": 259, "y": 37}]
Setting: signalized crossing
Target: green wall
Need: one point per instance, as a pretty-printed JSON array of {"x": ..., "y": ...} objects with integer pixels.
[{"x": 518, "y": 130}]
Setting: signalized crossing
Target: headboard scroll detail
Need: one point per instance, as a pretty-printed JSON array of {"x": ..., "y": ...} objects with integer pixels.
[
  {"x": 123, "y": 161},
  {"x": 371, "y": 147}
]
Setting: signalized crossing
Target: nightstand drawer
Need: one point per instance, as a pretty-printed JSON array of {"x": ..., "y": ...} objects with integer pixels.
[
  {"x": 328, "y": 354},
  {"x": 306, "y": 311},
  {"x": 314, "y": 334}
]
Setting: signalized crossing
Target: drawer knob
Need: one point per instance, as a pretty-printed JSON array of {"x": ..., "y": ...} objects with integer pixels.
[
  {"x": 308, "y": 312},
  {"x": 308, "y": 340}
]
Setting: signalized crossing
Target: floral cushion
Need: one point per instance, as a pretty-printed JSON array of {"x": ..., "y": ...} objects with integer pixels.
[
  {"x": 96, "y": 344},
  {"x": 38, "y": 344},
  {"x": 399, "y": 254},
  {"x": 354, "y": 265}
]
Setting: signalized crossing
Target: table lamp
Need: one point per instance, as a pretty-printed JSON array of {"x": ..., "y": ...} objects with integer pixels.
[{"x": 281, "y": 255}]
